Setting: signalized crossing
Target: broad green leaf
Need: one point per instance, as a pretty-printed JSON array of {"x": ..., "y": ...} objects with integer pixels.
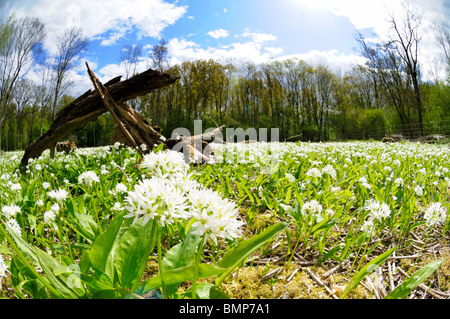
[
  {"x": 101, "y": 253},
  {"x": 66, "y": 287},
  {"x": 287, "y": 197},
  {"x": 366, "y": 270},
  {"x": 402, "y": 291},
  {"x": 25, "y": 247},
  {"x": 84, "y": 225},
  {"x": 182, "y": 254},
  {"x": 88, "y": 223},
  {"x": 132, "y": 250},
  {"x": 58, "y": 285},
  {"x": 206, "y": 290},
  {"x": 246, "y": 190},
  {"x": 108, "y": 294},
  {"x": 179, "y": 275},
  {"x": 23, "y": 278},
  {"x": 32, "y": 222},
  {"x": 232, "y": 258}
]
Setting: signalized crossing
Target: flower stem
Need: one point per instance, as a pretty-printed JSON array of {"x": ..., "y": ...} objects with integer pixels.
[
  {"x": 161, "y": 272},
  {"x": 197, "y": 263}
]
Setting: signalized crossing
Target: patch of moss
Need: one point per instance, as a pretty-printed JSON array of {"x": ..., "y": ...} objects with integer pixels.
[
  {"x": 248, "y": 283},
  {"x": 151, "y": 269},
  {"x": 444, "y": 269}
]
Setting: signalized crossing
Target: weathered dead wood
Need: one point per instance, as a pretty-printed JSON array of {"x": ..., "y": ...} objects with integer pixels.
[
  {"x": 89, "y": 106},
  {"x": 132, "y": 128},
  {"x": 112, "y": 107},
  {"x": 66, "y": 146},
  {"x": 196, "y": 147}
]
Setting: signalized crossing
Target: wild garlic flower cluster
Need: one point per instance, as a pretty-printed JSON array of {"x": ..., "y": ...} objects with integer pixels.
[
  {"x": 435, "y": 214},
  {"x": 3, "y": 269},
  {"x": 50, "y": 215},
  {"x": 164, "y": 163},
  {"x": 156, "y": 199},
  {"x": 59, "y": 195},
  {"x": 88, "y": 178},
  {"x": 10, "y": 213},
  {"x": 378, "y": 212},
  {"x": 312, "y": 207},
  {"x": 215, "y": 216},
  {"x": 171, "y": 195}
]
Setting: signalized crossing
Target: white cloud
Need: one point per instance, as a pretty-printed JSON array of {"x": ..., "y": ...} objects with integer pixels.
[
  {"x": 369, "y": 14},
  {"x": 362, "y": 13},
  {"x": 274, "y": 51},
  {"x": 217, "y": 34},
  {"x": 181, "y": 50},
  {"x": 333, "y": 59},
  {"x": 259, "y": 37},
  {"x": 100, "y": 16}
]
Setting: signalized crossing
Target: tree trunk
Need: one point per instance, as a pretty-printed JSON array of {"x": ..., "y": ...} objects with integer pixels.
[{"x": 89, "y": 106}]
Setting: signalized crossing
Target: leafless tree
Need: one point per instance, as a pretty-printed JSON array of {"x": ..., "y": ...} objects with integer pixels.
[
  {"x": 159, "y": 58},
  {"x": 23, "y": 96},
  {"x": 71, "y": 45},
  {"x": 159, "y": 55},
  {"x": 43, "y": 92},
  {"x": 130, "y": 56},
  {"x": 16, "y": 56},
  {"x": 406, "y": 41},
  {"x": 388, "y": 71},
  {"x": 442, "y": 34}
]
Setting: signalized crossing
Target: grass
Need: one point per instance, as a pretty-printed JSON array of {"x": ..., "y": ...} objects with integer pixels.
[{"x": 347, "y": 203}]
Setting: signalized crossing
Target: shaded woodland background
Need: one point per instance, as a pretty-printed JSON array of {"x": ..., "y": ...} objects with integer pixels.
[{"x": 309, "y": 103}]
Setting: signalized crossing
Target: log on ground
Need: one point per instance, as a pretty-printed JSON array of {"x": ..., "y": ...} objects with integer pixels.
[{"x": 89, "y": 106}]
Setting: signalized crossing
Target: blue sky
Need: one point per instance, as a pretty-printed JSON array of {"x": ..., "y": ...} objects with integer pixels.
[
  {"x": 319, "y": 31},
  {"x": 293, "y": 31}
]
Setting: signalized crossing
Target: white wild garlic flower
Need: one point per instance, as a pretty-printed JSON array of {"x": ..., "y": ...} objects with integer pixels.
[
  {"x": 10, "y": 211},
  {"x": 88, "y": 178},
  {"x": 59, "y": 195},
  {"x": 435, "y": 214}
]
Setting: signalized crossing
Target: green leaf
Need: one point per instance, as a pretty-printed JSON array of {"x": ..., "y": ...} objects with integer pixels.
[
  {"x": 182, "y": 254},
  {"x": 131, "y": 252},
  {"x": 58, "y": 285},
  {"x": 179, "y": 275},
  {"x": 246, "y": 190},
  {"x": 107, "y": 294},
  {"x": 23, "y": 278},
  {"x": 101, "y": 253},
  {"x": 287, "y": 197},
  {"x": 330, "y": 253},
  {"x": 61, "y": 281},
  {"x": 85, "y": 225},
  {"x": 366, "y": 270},
  {"x": 206, "y": 290},
  {"x": 95, "y": 285},
  {"x": 232, "y": 258},
  {"x": 402, "y": 291}
]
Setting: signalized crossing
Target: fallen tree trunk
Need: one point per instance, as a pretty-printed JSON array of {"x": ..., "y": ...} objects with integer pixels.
[
  {"x": 134, "y": 130},
  {"x": 89, "y": 106},
  {"x": 132, "y": 125}
]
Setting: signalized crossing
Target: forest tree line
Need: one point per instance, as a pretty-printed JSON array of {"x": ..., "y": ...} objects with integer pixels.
[{"x": 310, "y": 103}]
